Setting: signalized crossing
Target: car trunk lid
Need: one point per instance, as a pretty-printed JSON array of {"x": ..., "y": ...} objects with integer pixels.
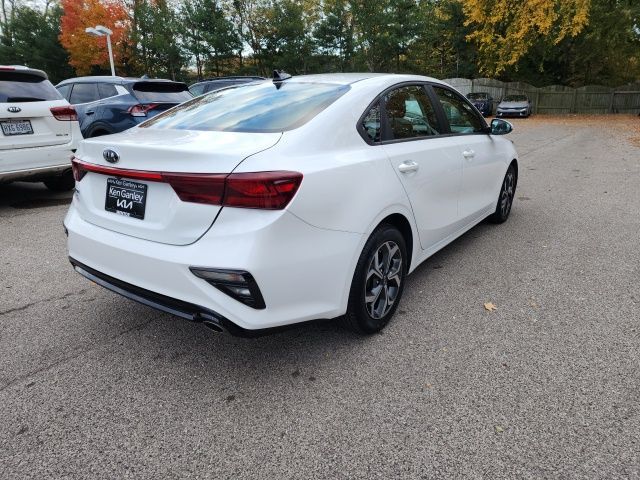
[{"x": 166, "y": 218}]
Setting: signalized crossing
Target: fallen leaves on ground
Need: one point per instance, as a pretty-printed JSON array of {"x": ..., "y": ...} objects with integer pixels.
[{"x": 490, "y": 307}]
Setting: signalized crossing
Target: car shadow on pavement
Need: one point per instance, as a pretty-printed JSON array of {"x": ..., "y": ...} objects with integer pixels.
[{"x": 27, "y": 195}]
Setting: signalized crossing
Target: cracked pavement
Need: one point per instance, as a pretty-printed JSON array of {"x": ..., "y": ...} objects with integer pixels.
[{"x": 547, "y": 386}]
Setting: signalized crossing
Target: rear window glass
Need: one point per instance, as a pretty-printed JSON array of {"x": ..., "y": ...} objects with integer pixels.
[
  {"x": 161, "y": 92},
  {"x": 22, "y": 87},
  {"x": 262, "y": 107}
]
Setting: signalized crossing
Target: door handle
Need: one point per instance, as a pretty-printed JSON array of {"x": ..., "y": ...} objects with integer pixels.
[
  {"x": 468, "y": 154},
  {"x": 408, "y": 166},
  {"x": 89, "y": 112}
]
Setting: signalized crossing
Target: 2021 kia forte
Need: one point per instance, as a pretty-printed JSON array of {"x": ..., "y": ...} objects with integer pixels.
[{"x": 289, "y": 199}]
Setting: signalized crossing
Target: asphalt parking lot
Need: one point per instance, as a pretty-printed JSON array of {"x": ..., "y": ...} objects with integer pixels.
[{"x": 546, "y": 386}]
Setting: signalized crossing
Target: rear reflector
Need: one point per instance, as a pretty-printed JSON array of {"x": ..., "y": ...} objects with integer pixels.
[
  {"x": 64, "y": 114},
  {"x": 141, "y": 110},
  {"x": 263, "y": 190}
]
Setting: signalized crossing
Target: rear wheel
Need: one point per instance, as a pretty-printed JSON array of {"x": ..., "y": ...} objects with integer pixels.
[
  {"x": 378, "y": 281},
  {"x": 61, "y": 183},
  {"x": 505, "y": 199}
]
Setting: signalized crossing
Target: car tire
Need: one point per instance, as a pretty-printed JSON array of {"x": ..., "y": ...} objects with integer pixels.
[
  {"x": 61, "y": 183},
  {"x": 378, "y": 281},
  {"x": 506, "y": 196}
]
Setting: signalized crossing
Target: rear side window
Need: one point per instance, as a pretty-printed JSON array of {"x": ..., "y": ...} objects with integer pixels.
[
  {"x": 24, "y": 87},
  {"x": 107, "y": 90},
  {"x": 461, "y": 116},
  {"x": 84, "y": 93},
  {"x": 262, "y": 107},
  {"x": 161, "y": 92},
  {"x": 371, "y": 123},
  {"x": 410, "y": 113}
]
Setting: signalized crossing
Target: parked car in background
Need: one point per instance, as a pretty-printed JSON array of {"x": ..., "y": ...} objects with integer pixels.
[
  {"x": 107, "y": 105},
  {"x": 291, "y": 200},
  {"x": 213, "y": 84},
  {"x": 482, "y": 101},
  {"x": 39, "y": 129},
  {"x": 514, "y": 106}
]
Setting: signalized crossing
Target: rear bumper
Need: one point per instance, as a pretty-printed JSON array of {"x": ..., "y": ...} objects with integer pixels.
[
  {"x": 304, "y": 273},
  {"x": 35, "y": 163}
]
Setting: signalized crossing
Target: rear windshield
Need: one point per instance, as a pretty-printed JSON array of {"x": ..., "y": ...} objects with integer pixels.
[
  {"x": 23, "y": 87},
  {"x": 515, "y": 98},
  {"x": 262, "y": 107},
  {"x": 161, "y": 92},
  {"x": 477, "y": 96}
]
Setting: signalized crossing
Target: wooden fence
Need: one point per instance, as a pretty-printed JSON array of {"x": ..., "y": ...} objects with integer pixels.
[{"x": 557, "y": 98}]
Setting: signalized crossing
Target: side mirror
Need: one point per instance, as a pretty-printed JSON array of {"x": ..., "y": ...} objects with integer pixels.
[{"x": 500, "y": 127}]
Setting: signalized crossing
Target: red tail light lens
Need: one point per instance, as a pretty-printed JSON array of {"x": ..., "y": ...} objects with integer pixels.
[
  {"x": 198, "y": 188},
  {"x": 263, "y": 190},
  {"x": 266, "y": 190},
  {"x": 141, "y": 110},
  {"x": 64, "y": 114}
]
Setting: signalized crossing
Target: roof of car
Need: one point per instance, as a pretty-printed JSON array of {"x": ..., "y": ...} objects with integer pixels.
[
  {"x": 350, "y": 78},
  {"x": 230, "y": 78},
  {"x": 110, "y": 79},
  {"x": 23, "y": 69}
]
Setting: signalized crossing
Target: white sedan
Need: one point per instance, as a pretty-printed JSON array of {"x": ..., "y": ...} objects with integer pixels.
[{"x": 287, "y": 200}]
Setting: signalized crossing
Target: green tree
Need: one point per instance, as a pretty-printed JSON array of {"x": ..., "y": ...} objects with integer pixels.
[{"x": 30, "y": 37}]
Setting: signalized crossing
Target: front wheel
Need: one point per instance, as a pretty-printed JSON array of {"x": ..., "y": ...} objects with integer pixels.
[
  {"x": 505, "y": 199},
  {"x": 378, "y": 281}
]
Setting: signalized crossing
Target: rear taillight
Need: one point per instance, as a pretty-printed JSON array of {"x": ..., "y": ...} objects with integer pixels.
[
  {"x": 268, "y": 190},
  {"x": 263, "y": 190},
  {"x": 64, "y": 114},
  {"x": 141, "y": 110}
]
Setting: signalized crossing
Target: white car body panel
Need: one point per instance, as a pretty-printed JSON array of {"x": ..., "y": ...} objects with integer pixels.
[{"x": 303, "y": 257}]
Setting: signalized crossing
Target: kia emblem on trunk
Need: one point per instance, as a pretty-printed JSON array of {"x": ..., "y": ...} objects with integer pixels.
[
  {"x": 14, "y": 109},
  {"x": 110, "y": 156}
]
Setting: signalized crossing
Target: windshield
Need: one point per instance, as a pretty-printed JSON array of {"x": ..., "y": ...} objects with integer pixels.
[
  {"x": 262, "y": 107},
  {"x": 24, "y": 87},
  {"x": 477, "y": 96},
  {"x": 515, "y": 98}
]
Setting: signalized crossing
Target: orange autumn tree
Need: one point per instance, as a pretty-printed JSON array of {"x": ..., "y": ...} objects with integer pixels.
[{"x": 85, "y": 50}]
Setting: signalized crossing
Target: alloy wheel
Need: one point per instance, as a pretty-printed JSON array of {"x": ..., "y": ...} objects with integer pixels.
[
  {"x": 383, "y": 280},
  {"x": 506, "y": 196}
]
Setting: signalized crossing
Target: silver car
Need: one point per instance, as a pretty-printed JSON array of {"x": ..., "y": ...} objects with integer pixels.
[{"x": 514, "y": 106}]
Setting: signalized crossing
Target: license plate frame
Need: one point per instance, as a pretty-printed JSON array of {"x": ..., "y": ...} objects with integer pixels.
[
  {"x": 7, "y": 131},
  {"x": 126, "y": 197}
]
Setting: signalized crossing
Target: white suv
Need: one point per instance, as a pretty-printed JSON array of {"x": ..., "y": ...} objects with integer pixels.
[{"x": 39, "y": 129}]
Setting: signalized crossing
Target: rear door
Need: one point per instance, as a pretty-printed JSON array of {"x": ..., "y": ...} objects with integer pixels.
[
  {"x": 26, "y": 120},
  {"x": 84, "y": 96},
  {"x": 482, "y": 167},
  {"x": 428, "y": 164}
]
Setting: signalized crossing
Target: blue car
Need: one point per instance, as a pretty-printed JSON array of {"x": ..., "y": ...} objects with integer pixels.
[{"x": 108, "y": 105}]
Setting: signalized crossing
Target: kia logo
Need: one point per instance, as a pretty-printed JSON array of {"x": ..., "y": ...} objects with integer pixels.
[
  {"x": 110, "y": 156},
  {"x": 14, "y": 109}
]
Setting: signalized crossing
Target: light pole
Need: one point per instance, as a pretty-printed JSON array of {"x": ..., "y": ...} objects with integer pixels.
[{"x": 102, "y": 31}]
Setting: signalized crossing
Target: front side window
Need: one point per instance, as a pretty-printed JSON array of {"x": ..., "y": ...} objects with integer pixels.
[
  {"x": 460, "y": 115},
  {"x": 410, "y": 113},
  {"x": 263, "y": 107},
  {"x": 84, "y": 93}
]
